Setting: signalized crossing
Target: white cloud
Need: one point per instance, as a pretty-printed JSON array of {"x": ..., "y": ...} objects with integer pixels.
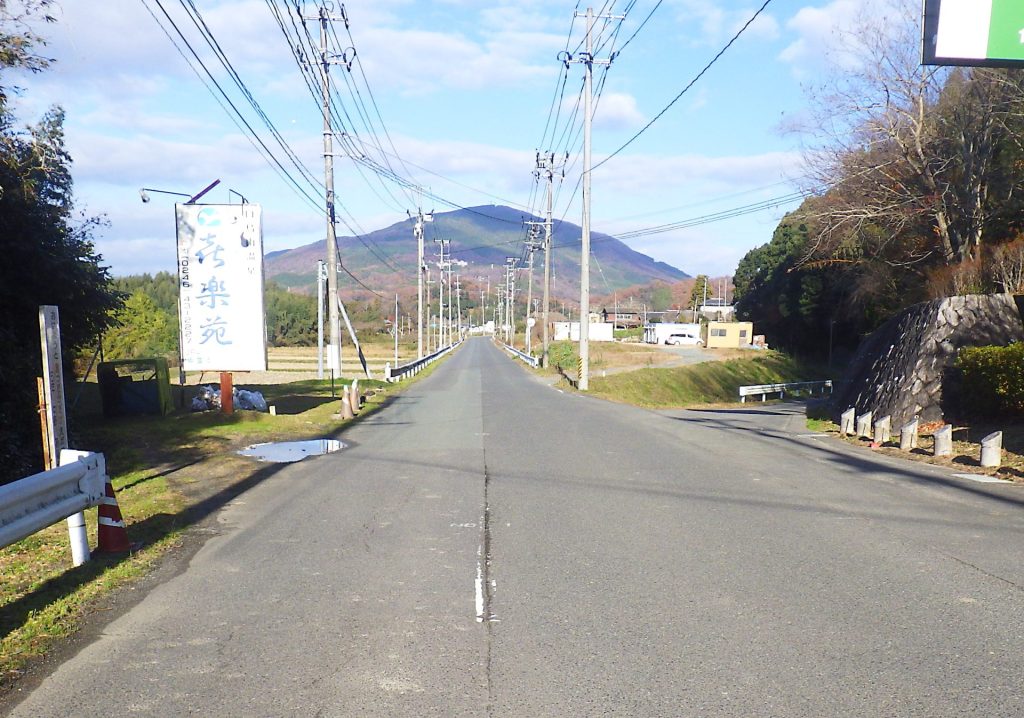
[
  {"x": 617, "y": 111},
  {"x": 818, "y": 29},
  {"x": 717, "y": 25}
]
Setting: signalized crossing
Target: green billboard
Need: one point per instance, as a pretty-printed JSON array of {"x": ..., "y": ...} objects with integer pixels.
[{"x": 974, "y": 32}]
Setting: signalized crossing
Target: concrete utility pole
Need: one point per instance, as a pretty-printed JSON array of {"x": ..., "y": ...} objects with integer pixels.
[
  {"x": 458, "y": 307},
  {"x": 417, "y": 230},
  {"x": 546, "y": 169},
  {"x": 531, "y": 246},
  {"x": 321, "y": 275},
  {"x": 334, "y": 320},
  {"x": 483, "y": 301},
  {"x": 510, "y": 311},
  {"x": 427, "y": 283},
  {"x": 444, "y": 264},
  {"x": 588, "y": 115}
]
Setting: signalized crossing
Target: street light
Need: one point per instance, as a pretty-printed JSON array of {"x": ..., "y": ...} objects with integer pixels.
[{"x": 144, "y": 196}]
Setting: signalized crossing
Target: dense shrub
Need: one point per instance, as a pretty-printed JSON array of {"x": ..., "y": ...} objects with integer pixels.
[{"x": 992, "y": 379}]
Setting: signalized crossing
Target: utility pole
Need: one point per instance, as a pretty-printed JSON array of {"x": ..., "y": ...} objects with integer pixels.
[
  {"x": 427, "y": 283},
  {"x": 510, "y": 311},
  {"x": 546, "y": 169},
  {"x": 532, "y": 245},
  {"x": 458, "y": 307},
  {"x": 588, "y": 62},
  {"x": 442, "y": 265},
  {"x": 334, "y": 320},
  {"x": 321, "y": 275},
  {"x": 417, "y": 230},
  {"x": 483, "y": 301}
]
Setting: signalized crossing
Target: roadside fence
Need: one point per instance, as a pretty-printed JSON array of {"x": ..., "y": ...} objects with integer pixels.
[
  {"x": 799, "y": 387},
  {"x": 31, "y": 504},
  {"x": 397, "y": 373},
  {"x": 532, "y": 361}
]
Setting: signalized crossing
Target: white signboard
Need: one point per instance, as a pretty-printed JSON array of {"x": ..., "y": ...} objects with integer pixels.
[
  {"x": 220, "y": 276},
  {"x": 974, "y": 32}
]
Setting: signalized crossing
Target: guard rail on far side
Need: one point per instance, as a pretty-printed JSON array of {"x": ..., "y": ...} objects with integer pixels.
[
  {"x": 532, "y": 361},
  {"x": 415, "y": 367},
  {"x": 781, "y": 389}
]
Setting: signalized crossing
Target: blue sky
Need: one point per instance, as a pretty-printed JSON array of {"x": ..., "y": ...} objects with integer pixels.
[{"x": 464, "y": 88}]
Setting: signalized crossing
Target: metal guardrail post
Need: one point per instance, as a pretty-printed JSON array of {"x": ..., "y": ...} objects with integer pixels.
[{"x": 35, "y": 502}]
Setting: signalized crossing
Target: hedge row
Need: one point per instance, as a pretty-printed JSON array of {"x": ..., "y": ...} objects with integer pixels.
[{"x": 993, "y": 379}]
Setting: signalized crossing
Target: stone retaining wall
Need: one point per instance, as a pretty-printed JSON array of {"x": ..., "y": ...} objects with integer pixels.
[{"x": 899, "y": 370}]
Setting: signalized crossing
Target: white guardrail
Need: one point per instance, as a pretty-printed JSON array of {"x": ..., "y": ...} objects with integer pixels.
[
  {"x": 31, "y": 504},
  {"x": 532, "y": 361},
  {"x": 781, "y": 389},
  {"x": 415, "y": 367}
]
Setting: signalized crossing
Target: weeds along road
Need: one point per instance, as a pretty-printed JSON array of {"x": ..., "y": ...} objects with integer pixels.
[{"x": 489, "y": 546}]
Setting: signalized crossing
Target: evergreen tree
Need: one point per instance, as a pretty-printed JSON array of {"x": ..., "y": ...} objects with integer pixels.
[{"x": 49, "y": 258}]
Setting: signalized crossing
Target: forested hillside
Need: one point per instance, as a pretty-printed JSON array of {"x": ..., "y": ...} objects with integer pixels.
[{"x": 917, "y": 176}]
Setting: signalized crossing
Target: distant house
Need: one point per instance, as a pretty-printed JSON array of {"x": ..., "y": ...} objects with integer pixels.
[{"x": 621, "y": 317}]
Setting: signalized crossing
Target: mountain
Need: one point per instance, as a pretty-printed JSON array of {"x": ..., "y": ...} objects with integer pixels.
[{"x": 385, "y": 260}]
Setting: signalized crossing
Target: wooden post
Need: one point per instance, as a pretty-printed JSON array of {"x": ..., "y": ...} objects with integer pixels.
[
  {"x": 227, "y": 390},
  {"x": 44, "y": 424}
]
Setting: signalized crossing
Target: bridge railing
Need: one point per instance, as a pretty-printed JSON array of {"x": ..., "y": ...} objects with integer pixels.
[
  {"x": 397, "y": 373},
  {"x": 792, "y": 387}
]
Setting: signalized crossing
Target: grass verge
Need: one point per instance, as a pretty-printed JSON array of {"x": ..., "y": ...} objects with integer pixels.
[{"x": 706, "y": 383}]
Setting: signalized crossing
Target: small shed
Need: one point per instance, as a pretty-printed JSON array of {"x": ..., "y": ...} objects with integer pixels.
[{"x": 727, "y": 335}]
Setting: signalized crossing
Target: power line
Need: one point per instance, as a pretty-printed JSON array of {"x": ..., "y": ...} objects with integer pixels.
[
  {"x": 234, "y": 112},
  {"x": 641, "y": 27},
  {"x": 688, "y": 86},
  {"x": 717, "y": 216}
]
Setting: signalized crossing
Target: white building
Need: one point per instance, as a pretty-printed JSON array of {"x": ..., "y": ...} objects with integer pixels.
[
  {"x": 658, "y": 333},
  {"x": 598, "y": 332}
]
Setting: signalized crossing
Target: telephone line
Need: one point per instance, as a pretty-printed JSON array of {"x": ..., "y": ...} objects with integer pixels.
[{"x": 688, "y": 86}]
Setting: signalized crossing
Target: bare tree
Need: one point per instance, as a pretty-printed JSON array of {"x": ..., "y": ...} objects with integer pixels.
[{"x": 906, "y": 154}]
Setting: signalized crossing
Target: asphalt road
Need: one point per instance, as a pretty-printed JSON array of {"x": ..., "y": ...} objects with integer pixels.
[{"x": 490, "y": 546}]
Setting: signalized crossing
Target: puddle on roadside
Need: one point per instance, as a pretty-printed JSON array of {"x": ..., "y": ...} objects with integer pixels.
[{"x": 290, "y": 451}]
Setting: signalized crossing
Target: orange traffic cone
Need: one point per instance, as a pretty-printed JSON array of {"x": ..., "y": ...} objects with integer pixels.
[{"x": 113, "y": 536}]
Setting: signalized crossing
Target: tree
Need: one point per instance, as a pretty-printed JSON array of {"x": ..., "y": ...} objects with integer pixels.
[
  {"x": 701, "y": 290},
  {"x": 49, "y": 257},
  {"x": 805, "y": 307},
  {"x": 911, "y": 157},
  {"x": 661, "y": 297},
  {"x": 291, "y": 317},
  {"x": 143, "y": 329}
]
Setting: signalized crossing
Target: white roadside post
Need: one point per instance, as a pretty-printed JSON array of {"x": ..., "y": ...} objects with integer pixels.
[{"x": 56, "y": 419}]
